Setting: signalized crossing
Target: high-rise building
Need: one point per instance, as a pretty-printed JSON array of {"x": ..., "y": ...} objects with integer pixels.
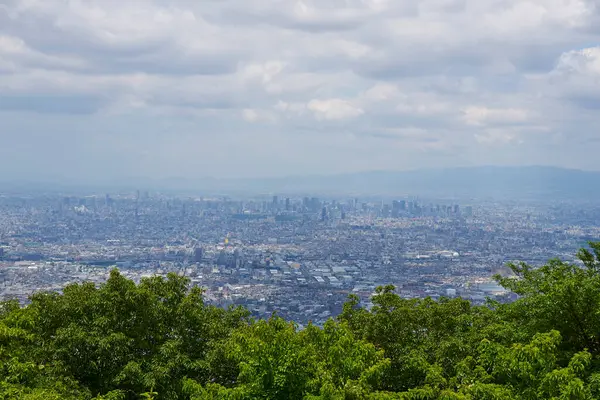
[
  {"x": 456, "y": 209},
  {"x": 395, "y": 209},
  {"x": 237, "y": 258},
  {"x": 385, "y": 211},
  {"x": 287, "y": 204},
  {"x": 198, "y": 253},
  {"x": 1, "y": 253},
  {"x": 222, "y": 258},
  {"x": 324, "y": 214},
  {"x": 314, "y": 204}
]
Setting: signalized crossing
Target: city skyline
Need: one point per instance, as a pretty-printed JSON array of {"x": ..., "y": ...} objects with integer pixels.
[
  {"x": 299, "y": 255},
  {"x": 96, "y": 90}
]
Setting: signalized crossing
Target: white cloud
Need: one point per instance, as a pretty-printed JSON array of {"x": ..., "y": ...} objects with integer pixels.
[
  {"x": 585, "y": 62},
  {"x": 264, "y": 72},
  {"x": 496, "y": 137},
  {"x": 14, "y": 51},
  {"x": 381, "y": 92},
  {"x": 575, "y": 78},
  {"x": 454, "y": 81},
  {"x": 334, "y": 109},
  {"x": 251, "y": 115},
  {"x": 478, "y": 116},
  {"x": 294, "y": 108}
]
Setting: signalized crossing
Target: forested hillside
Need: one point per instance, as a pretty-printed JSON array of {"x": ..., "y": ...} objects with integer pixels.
[{"x": 158, "y": 340}]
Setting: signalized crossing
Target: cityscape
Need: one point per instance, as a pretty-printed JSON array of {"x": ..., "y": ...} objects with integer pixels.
[
  {"x": 296, "y": 256},
  {"x": 299, "y": 200}
]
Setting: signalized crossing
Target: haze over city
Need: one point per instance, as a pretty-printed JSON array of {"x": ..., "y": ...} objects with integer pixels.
[{"x": 92, "y": 91}]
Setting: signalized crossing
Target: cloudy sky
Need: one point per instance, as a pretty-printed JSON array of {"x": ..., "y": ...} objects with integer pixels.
[{"x": 96, "y": 89}]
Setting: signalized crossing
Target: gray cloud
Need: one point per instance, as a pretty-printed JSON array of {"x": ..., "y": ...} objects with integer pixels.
[{"x": 256, "y": 87}]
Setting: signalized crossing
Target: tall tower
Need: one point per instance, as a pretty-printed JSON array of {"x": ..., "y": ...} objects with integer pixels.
[
  {"x": 324, "y": 214},
  {"x": 403, "y": 205},
  {"x": 198, "y": 254}
]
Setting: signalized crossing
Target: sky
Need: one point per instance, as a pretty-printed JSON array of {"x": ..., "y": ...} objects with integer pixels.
[{"x": 96, "y": 90}]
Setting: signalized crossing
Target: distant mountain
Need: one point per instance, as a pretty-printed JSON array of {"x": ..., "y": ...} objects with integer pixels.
[
  {"x": 535, "y": 182},
  {"x": 497, "y": 182}
]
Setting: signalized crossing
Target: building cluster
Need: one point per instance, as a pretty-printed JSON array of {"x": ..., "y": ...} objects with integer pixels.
[{"x": 298, "y": 256}]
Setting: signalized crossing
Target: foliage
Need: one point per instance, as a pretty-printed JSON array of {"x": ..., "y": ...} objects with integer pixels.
[{"x": 159, "y": 340}]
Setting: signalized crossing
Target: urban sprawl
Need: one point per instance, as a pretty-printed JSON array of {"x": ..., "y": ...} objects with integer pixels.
[{"x": 298, "y": 256}]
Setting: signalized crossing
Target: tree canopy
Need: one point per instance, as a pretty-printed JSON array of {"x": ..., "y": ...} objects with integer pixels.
[{"x": 159, "y": 340}]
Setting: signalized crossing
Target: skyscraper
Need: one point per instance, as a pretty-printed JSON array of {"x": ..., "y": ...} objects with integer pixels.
[
  {"x": 198, "y": 254},
  {"x": 385, "y": 211},
  {"x": 315, "y": 203},
  {"x": 395, "y": 209},
  {"x": 324, "y": 214}
]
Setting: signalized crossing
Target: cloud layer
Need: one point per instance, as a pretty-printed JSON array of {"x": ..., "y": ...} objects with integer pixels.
[{"x": 95, "y": 89}]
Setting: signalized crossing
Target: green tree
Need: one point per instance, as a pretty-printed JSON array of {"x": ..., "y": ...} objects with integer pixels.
[
  {"x": 416, "y": 333},
  {"x": 158, "y": 340},
  {"x": 560, "y": 296},
  {"x": 122, "y": 336}
]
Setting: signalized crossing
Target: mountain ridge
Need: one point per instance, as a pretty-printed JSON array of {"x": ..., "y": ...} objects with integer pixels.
[
  {"x": 488, "y": 181},
  {"x": 485, "y": 181}
]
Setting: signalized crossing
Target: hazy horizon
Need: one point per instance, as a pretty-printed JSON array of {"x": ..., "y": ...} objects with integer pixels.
[
  {"x": 124, "y": 178},
  {"x": 98, "y": 90},
  {"x": 537, "y": 183}
]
